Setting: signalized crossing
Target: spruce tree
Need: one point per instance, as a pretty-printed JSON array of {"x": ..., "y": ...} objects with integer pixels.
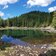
[{"x": 54, "y": 20}]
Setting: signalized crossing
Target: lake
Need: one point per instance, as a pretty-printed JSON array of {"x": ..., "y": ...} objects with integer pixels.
[{"x": 31, "y": 36}]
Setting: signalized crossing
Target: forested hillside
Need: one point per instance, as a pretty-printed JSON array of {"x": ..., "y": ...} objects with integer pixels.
[
  {"x": 54, "y": 20},
  {"x": 31, "y": 19}
]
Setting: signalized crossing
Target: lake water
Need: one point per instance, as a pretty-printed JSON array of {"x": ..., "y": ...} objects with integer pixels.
[
  {"x": 24, "y": 33},
  {"x": 16, "y": 36},
  {"x": 12, "y": 40}
]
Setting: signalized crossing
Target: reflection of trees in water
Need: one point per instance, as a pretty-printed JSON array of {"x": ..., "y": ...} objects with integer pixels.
[
  {"x": 26, "y": 33},
  {"x": 1, "y": 32}
]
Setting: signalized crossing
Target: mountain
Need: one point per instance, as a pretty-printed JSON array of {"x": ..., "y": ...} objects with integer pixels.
[
  {"x": 31, "y": 19},
  {"x": 35, "y": 19}
]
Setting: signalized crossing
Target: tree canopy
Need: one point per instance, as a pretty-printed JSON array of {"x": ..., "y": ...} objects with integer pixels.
[{"x": 31, "y": 19}]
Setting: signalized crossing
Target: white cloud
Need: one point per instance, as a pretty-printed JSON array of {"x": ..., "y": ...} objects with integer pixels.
[
  {"x": 1, "y": 13},
  {"x": 6, "y": 2},
  {"x": 6, "y": 6},
  {"x": 51, "y": 9},
  {"x": 39, "y": 2}
]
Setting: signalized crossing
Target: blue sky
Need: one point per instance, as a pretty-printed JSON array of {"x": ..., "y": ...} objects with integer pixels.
[{"x": 11, "y": 8}]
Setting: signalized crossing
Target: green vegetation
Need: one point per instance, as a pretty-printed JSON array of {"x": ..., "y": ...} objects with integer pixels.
[
  {"x": 54, "y": 20},
  {"x": 31, "y": 19}
]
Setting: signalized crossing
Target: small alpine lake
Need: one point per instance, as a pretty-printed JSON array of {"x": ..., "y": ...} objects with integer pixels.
[{"x": 31, "y": 36}]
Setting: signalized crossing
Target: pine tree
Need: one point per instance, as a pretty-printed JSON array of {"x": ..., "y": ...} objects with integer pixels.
[
  {"x": 0, "y": 21},
  {"x": 54, "y": 19}
]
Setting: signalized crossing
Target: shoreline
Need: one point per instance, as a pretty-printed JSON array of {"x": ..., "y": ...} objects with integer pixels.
[{"x": 49, "y": 29}]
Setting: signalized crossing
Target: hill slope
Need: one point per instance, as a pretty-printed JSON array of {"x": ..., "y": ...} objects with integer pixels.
[{"x": 31, "y": 19}]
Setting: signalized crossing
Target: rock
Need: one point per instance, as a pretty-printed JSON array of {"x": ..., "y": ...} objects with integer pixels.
[
  {"x": 54, "y": 44},
  {"x": 21, "y": 54}
]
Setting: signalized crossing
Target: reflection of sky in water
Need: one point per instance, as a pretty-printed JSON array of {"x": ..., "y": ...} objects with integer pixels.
[
  {"x": 10, "y": 39},
  {"x": 6, "y": 38}
]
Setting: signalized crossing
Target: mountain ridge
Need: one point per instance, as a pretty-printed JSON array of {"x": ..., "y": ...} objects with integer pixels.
[{"x": 31, "y": 19}]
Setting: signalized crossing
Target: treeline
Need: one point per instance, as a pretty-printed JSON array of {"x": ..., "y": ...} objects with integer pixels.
[{"x": 31, "y": 19}]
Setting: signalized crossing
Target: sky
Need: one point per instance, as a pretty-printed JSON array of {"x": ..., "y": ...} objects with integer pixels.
[{"x": 12, "y": 8}]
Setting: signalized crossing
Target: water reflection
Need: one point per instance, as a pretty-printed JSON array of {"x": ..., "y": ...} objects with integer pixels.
[{"x": 12, "y": 40}]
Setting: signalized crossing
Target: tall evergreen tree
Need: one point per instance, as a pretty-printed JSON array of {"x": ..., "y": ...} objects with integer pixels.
[
  {"x": 54, "y": 19},
  {"x": 1, "y": 22}
]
